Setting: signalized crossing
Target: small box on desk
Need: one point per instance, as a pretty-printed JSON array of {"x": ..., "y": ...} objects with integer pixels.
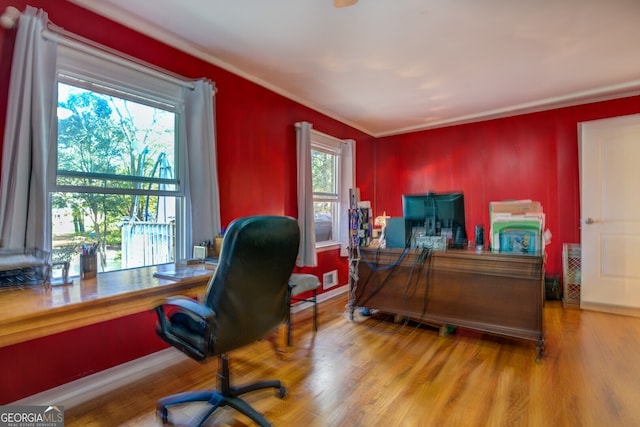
[
  {"x": 395, "y": 232},
  {"x": 435, "y": 243}
]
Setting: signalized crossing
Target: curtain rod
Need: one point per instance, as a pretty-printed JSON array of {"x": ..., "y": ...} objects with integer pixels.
[
  {"x": 58, "y": 34},
  {"x": 298, "y": 125}
]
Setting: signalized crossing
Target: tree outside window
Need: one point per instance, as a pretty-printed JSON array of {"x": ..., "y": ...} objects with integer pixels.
[
  {"x": 324, "y": 175},
  {"x": 116, "y": 167}
]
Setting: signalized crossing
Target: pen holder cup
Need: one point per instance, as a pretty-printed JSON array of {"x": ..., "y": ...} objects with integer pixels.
[
  {"x": 88, "y": 266},
  {"x": 218, "y": 245}
]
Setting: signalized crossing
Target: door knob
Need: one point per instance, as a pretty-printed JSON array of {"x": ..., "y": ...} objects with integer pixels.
[{"x": 590, "y": 221}]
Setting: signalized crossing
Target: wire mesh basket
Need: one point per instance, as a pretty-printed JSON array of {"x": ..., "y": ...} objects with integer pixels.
[
  {"x": 23, "y": 267},
  {"x": 571, "y": 262}
]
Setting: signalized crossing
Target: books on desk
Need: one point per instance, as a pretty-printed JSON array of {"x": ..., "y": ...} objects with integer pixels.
[{"x": 183, "y": 273}]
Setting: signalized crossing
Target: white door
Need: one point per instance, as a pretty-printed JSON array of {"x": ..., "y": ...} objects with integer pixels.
[{"x": 610, "y": 213}]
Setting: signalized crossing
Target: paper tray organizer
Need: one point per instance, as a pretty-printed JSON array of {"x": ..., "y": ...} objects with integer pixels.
[{"x": 24, "y": 267}]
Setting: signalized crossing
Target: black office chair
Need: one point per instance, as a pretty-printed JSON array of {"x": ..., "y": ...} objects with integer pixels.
[{"x": 246, "y": 299}]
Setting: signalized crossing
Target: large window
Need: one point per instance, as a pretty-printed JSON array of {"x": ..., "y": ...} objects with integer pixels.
[
  {"x": 325, "y": 176},
  {"x": 117, "y": 170}
]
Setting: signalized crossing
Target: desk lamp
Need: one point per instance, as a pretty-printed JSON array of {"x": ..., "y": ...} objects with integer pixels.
[{"x": 381, "y": 221}]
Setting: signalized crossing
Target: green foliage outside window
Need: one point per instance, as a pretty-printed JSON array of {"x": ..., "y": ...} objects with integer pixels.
[
  {"x": 109, "y": 146},
  {"x": 323, "y": 173}
]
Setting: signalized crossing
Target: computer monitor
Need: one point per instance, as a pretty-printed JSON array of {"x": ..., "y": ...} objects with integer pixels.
[{"x": 436, "y": 211}]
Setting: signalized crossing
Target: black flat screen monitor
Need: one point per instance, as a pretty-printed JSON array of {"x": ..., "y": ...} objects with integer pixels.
[{"x": 446, "y": 209}]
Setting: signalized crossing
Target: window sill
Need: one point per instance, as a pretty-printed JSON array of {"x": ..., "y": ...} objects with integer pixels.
[
  {"x": 327, "y": 246},
  {"x": 37, "y": 311}
]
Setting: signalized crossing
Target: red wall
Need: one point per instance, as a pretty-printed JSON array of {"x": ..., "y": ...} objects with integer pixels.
[
  {"x": 255, "y": 133},
  {"x": 41, "y": 364},
  {"x": 257, "y": 175},
  {"x": 529, "y": 156},
  {"x": 532, "y": 156}
]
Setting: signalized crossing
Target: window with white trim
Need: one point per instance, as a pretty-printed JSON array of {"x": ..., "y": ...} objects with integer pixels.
[
  {"x": 115, "y": 184},
  {"x": 325, "y": 176}
]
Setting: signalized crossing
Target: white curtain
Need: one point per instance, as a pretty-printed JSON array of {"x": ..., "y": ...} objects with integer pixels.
[
  {"x": 23, "y": 196},
  {"x": 203, "y": 213},
  {"x": 307, "y": 256},
  {"x": 28, "y": 132},
  {"x": 347, "y": 182}
]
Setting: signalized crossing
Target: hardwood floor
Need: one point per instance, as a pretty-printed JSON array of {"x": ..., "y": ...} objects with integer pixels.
[{"x": 374, "y": 372}]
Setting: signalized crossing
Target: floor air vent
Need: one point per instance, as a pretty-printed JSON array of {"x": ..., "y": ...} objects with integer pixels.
[{"x": 330, "y": 279}]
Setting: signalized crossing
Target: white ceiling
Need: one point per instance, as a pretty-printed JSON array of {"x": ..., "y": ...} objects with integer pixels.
[{"x": 393, "y": 66}]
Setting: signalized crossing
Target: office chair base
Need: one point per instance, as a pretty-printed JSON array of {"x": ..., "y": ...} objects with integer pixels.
[
  {"x": 226, "y": 396},
  {"x": 215, "y": 399}
]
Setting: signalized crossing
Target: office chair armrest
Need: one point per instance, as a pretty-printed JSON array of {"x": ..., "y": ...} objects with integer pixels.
[
  {"x": 181, "y": 303},
  {"x": 192, "y": 332}
]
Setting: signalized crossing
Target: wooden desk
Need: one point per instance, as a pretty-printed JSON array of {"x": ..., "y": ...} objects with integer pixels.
[
  {"x": 495, "y": 293},
  {"x": 37, "y": 311}
]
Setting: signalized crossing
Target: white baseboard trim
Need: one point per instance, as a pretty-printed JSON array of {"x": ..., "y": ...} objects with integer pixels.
[
  {"x": 90, "y": 387},
  {"x": 613, "y": 309},
  {"x": 87, "y": 388},
  {"x": 321, "y": 297}
]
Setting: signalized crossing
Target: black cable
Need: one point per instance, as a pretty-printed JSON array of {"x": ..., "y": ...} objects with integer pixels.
[
  {"x": 418, "y": 261},
  {"x": 427, "y": 278},
  {"x": 388, "y": 266},
  {"x": 374, "y": 269}
]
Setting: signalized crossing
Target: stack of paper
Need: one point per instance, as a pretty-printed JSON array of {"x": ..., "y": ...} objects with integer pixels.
[{"x": 517, "y": 226}]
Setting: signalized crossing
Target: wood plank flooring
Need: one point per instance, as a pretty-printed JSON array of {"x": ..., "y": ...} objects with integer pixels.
[{"x": 374, "y": 372}]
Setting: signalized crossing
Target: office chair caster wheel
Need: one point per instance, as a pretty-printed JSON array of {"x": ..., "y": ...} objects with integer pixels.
[
  {"x": 282, "y": 392},
  {"x": 163, "y": 413}
]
